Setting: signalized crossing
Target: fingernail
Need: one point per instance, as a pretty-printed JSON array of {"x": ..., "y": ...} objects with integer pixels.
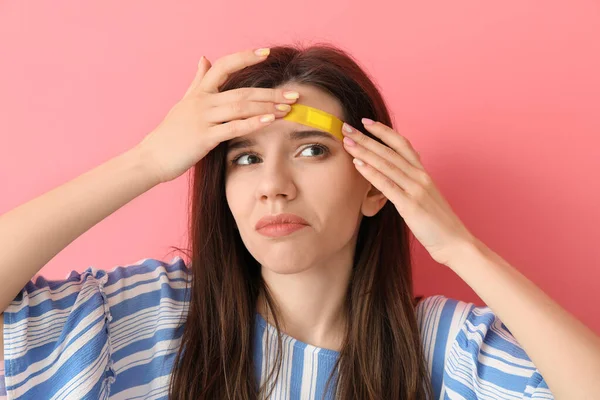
[
  {"x": 283, "y": 107},
  {"x": 367, "y": 121},
  {"x": 346, "y": 128},
  {"x": 267, "y": 118},
  {"x": 358, "y": 162},
  {"x": 349, "y": 141},
  {"x": 291, "y": 95},
  {"x": 262, "y": 52}
]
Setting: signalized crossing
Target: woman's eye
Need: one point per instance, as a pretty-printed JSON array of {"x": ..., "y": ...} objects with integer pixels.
[
  {"x": 241, "y": 156},
  {"x": 324, "y": 150},
  {"x": 321, "y": 148}
]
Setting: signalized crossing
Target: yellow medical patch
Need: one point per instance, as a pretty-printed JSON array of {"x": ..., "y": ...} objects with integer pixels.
[{"x": 316, "y": 118}]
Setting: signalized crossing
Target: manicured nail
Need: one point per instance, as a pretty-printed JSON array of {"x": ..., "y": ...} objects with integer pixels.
[
  {"x": 283, "y": 107},
  {"x": 367, "y": 121},
  {"x": 358, "y": 162},
  {"x": 262, "y": 52},
  {"x": 291, "y": 95},
  {"x": 346, "y": 128},
  {"x": 349, "y": 142},
  {"x": 267, "y": 118}
]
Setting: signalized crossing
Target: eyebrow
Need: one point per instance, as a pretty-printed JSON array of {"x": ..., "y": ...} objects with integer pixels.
[{"x": 294, "y": 135}]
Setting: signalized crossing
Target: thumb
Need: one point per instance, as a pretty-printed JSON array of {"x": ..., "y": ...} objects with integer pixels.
[{"x": 203, "y": 66}]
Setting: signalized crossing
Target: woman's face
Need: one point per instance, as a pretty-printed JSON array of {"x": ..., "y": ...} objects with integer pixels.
[{"x": 312, "y": 177}]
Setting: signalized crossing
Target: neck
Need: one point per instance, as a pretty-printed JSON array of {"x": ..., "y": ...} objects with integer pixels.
[{"x": 311, "y": 302}]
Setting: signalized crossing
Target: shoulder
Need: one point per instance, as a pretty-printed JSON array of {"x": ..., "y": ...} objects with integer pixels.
[
  {"x": 444, "y": 320},
  {"x": 92, "y": 324},
  {"x": 439, "y": 312},
  {"x": 467, "y": 347},
  {"x": 146, "y": 283},
  {"x": 147, "y": 269},
  {"x": 82, "y": 294},
  {"x": 439, "y": 319}
]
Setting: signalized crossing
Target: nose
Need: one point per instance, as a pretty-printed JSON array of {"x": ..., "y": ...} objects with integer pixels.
[{"x": 275, "y": 180}]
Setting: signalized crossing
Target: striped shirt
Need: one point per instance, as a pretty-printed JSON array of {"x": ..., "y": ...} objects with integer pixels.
[{"x": 114, "y": 335}]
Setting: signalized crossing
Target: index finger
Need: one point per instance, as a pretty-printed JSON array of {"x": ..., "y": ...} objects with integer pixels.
[{"x": 227, "y": 65}]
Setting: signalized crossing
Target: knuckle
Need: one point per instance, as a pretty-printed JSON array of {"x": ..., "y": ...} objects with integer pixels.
[
  {"x": 418, "y": 192},
  {"x": 403, "y": 141},
  {"x": 243, "y": 93},
  {"x": 203, "y": 102},
  {"x": 388, "y": 184},
  {"x": 424, "y": 178},
  {"x": 389, "y": 165},
  {"x": 276, "y": 95},
  {"x": 218, "y": 64},
  {"x": 236, "y": 107},
  {"x": 196, "y": 102},
  {"x": 389, "y": 152},
  {"x": 232, "y": 127},
  {"x": 361, "y": 139}
]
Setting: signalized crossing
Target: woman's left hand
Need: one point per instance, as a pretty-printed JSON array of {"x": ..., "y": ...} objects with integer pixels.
[{"x": 397, "y": 172}]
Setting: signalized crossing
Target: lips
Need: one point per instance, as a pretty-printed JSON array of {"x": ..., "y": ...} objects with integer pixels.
[{"x": 280, "y": 219}]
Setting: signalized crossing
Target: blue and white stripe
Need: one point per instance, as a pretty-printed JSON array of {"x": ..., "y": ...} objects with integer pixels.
[
  {"x": 114, "y": 335},
  {"x": 471, "y": 354}
]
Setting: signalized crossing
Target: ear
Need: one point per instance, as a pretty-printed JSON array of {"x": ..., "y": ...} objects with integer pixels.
[{"x": 373, "y": 202}]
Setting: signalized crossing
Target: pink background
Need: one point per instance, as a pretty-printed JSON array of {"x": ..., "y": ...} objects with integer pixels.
[{"x": 502, "y": 100}]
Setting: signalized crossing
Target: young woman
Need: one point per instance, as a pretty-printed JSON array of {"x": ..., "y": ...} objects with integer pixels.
[{"x": 318, "y": 304}]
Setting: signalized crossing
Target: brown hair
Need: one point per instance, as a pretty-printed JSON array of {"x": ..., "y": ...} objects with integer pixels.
[{"x": 381, "y": 356}]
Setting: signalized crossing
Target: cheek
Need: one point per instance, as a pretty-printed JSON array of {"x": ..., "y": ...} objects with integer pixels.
[
  {"x": 236, "y": 194},
  {"x": 337, "y": 196},
  {"x": 340, "y": 186}
]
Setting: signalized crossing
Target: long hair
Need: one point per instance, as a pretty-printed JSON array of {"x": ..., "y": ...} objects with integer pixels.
[{"x": 381, "y": 355}]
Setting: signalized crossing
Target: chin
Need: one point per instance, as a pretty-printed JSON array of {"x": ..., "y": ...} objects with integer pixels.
[{"x": 284, "y": 268}]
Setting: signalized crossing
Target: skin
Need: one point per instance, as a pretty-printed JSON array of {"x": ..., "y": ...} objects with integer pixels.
[{"x": 308, "y": 271}]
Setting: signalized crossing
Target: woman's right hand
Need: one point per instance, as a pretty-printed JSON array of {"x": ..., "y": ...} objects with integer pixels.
[{"x": 205, "y": 117}]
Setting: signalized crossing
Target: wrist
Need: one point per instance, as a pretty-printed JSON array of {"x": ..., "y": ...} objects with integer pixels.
[
  {"x": 144, "y": 162},
  {"x": 465, "y": 252}
]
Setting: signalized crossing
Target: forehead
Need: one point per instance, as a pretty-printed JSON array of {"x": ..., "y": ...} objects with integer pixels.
[
  {"x": 309, "y": 96},
  {"x": 316, "y": 97}
]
